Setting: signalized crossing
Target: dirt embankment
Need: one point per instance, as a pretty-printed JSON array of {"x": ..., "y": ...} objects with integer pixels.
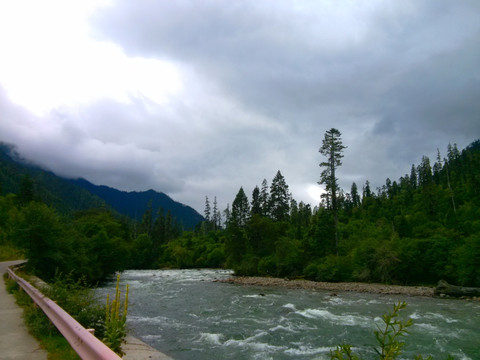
[{"x": 334, "y": 287}]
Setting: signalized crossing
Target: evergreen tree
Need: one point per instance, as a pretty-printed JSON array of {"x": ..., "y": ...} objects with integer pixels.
[
  {"x": 354, "y": 195},
  {"x": 240, "y": 210},
  {"x": 332, "y": 148},
  {"x": 147, "y": 221},
  {"x": 264, "y": 198},
  {"x": 216, "y": 217},
  {"x": 279, "y": 198},
  {"x": 424, "y": 172},
  {"x": 227, "y": 214},
  {"x": 437, "y": 168},
  {"x": 367, "y": 192},
  {"x": 413, "y": 177},
  {"x": 208, "y": 210},
  {"x": 256, "y": 204}
]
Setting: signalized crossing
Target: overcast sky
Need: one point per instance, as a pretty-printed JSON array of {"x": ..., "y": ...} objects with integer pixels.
[{"x": 198, "y": 98}]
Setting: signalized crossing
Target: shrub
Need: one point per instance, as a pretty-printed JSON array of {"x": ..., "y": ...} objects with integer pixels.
[{"x": 115, "y": 320}]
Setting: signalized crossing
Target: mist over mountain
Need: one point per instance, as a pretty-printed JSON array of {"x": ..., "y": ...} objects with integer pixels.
[{"x": 67, "y": 195}]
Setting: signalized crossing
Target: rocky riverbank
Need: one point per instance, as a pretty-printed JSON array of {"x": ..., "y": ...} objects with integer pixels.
[{"x": 333, "y": 287}]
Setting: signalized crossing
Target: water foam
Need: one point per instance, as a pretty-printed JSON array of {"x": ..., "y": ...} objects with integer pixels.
[
  {"x": 308, "y": 350},
  {"x": 290, "y": 306},
  {"x": 212, "y": 339},
  {"x": 348, "y": 320},
  {"x": 256, "y": 346}
]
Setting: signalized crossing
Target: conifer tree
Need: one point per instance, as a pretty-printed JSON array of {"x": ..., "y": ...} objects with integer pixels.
[
  {"x": 256, "y": 204},
  {"x": 216, "y": 217},
  {"x": 264, "y": 198},
  {"x": 208, "y": 210},
  {"x": 332, "y": 148},
  {"x": 354, "y": 195},
  {"x": 279, "y": 203},
  {"x": 240, "y": 209}
]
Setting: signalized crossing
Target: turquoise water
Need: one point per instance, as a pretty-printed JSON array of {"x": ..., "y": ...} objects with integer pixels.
[{"x": 187, "y": 315}]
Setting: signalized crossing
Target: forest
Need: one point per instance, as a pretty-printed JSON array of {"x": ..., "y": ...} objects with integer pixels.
[{"x": 418, "y": 229}]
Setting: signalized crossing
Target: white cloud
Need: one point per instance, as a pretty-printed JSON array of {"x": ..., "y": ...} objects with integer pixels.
[{"x": 48, "y": 59}]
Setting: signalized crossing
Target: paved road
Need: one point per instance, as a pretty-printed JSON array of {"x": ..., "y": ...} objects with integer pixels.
[{"x": 15, "y": 341}]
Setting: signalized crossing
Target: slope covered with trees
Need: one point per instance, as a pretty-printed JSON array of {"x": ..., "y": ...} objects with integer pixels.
[
  {"x": 67, "y": 195},
  {"x": 135, "y": 203},
  {"x": 418, "y": 229}
]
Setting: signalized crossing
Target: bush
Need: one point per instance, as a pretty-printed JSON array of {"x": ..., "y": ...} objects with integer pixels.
[
  {"x": 389, "y": 338},
  {"x": 267, "y": 266},
  {"x": 334, "y": 269},
  {"x": 79, "y": 301},
  {"x": 116, "y": 320}
]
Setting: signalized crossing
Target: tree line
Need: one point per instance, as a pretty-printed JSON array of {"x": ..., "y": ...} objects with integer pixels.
[{"x": 418, "y": 229}]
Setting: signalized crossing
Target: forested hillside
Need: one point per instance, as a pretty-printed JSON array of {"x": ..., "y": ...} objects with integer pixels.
[
  {"x": 418, "y": 229},
  {"x": 134, "y": 204},
  {"x": 49, "y": 188},
  {"x": 67, "y": 195}
]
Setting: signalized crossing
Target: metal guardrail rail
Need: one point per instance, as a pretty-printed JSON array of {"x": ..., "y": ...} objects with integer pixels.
[{"x": 82, "y": 341}]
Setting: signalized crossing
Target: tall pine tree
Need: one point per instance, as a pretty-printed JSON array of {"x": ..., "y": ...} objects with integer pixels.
[{"x": 332, "y": 149}]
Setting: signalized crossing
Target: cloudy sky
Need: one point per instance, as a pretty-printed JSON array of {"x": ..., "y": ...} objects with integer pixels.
[{"x": 198, "y": 98}]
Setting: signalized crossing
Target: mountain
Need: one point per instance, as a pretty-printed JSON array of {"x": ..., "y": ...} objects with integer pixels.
[
  {"x": 67, "y": 195},
  {"x": 134, "y": 204},
  {"x": 53, "y": 190}
]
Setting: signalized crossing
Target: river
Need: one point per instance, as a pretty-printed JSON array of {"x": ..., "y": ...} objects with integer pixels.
[{"x": 187, "y": 315}]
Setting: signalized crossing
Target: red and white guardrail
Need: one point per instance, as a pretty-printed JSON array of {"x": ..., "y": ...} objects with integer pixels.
[{"x": 81, "y": 340}]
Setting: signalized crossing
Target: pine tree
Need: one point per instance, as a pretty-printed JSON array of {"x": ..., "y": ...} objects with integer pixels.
[
  {"x": 240, "y": 209},
  {"x": 332, "y": 148},
  {"x": 207, "y": 211},
  {"x": 413, "y": 177},
  {"x": 264, "y": 198},
  {"x": 256, "y": 204},
  {"x": 146, "y": 225},
  {"x": 216, "y": 217},
  {"x": 227, "y": 213},
  {"x": 279, "y": 203},
  {"x": 354, "y": 195}
]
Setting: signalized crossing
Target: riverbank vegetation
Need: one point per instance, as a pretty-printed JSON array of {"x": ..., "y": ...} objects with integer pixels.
[
  {"x": 79, "y": 301},
  {"x": 390, "y": 337},
  {"x": 418, "y": 229},
  {"x": 415, "y": 230}
]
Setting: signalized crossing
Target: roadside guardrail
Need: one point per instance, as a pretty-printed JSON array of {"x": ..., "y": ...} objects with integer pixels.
[{"x": 86, "y": 345}]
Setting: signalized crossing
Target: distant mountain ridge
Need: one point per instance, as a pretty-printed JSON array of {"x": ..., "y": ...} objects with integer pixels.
[
  {"x": 68, "y": 195},
  {"x": 134, "y": 204}
]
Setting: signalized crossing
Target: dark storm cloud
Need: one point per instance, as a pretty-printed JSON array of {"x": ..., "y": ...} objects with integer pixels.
[
  {"x": 399, "y": 79},
  {"x": 261, "y": 83}
]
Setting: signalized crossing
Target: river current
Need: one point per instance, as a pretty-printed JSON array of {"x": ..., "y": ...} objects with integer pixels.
[{"x": 187, "y": 315}]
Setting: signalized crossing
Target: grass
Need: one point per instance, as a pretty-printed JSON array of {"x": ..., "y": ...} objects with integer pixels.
[
  {"x": 78, "y": 300},
  {"x": 8, "y": 252},
  {"x": 40, "y": 326}
]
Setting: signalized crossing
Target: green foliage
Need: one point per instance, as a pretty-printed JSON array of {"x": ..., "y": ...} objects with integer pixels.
[
  {"x": 417, "y": 230},
  {"x": 9, "y": 252},
  {"x": 40, "y": 327},
  {"x": 116, "y": 320},
  {"x": 389, "y": 336},
  {"x": 10, "y": 285},
  {"x": 76, "y": 298},
  {"x": 343, "y": 352}
]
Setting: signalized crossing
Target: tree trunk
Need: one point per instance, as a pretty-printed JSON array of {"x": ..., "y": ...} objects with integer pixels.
[{"x": 444, "y": 288}]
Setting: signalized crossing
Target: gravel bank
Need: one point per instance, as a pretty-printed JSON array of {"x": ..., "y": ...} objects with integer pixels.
[{"x": 334, "y": 287}]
